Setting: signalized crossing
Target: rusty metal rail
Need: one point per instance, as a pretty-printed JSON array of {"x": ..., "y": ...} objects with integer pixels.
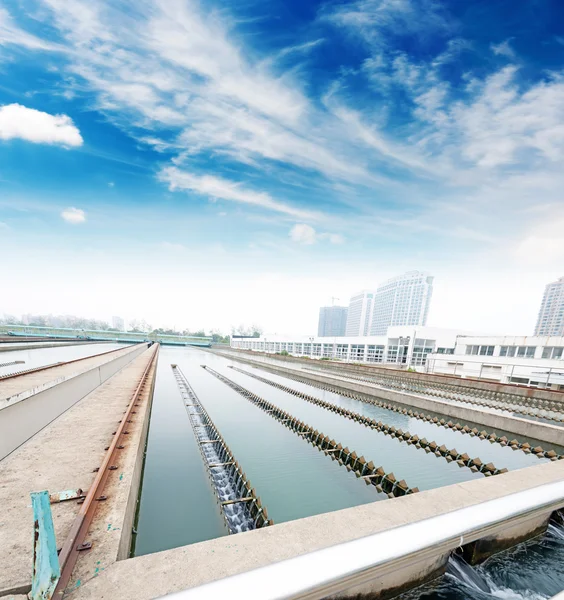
[
  {"x": 58, "y": 364},
  {"x": 75, "y": 542},
  {"x": 474, "y": 464},
  {"x": 384, "y": 482}
]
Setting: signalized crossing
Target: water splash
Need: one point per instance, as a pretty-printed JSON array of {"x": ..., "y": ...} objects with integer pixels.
[{"x": 479, "y": 581}]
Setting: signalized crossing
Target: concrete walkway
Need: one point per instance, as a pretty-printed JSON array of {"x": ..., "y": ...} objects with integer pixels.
[{"x": 63, "y": 456}]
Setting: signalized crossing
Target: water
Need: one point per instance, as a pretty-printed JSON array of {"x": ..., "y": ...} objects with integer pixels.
[
  {"x": 502, "y": 457},
  {"x": 177, "y": 504},
  {"x": 418, "y": 468},
  {"x": 292, "y": 478},
  {"x": 530, "y": 571},
  {"x": 224, "y": 480},
  {"x": 41, "y": 357}
]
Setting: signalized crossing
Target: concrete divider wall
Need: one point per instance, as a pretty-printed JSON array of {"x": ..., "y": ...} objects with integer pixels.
[
  {"x": 154, "y": 575},
  {"x": 428, "y": 378},
  {"x": 124, "y": 547},
  {"x": 23, "y": 419},
  {"x": 522, "y": 427}
]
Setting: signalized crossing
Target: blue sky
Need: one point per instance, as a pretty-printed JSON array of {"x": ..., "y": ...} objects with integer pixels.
[{"x": 216, "y": 163}]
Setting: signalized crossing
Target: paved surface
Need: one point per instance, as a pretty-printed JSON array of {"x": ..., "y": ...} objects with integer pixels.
[
  {"x": 14, "y": 386},
  {"x": 61, "y": 456},
  {"x": 153, "y": 575}
]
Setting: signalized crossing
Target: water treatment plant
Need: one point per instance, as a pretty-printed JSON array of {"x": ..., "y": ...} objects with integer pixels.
[{"x": 139, "y": 470}]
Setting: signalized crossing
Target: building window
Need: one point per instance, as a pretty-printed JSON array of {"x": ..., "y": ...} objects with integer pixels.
[
  {"x": 316, "y": 349},
  {"x": 487, "y": 350},
  {"x": 357, "y": 352},
  {"x": 526, "y": 351},
  {"x": 554, "y": 352},
  {"x": 342, "y": 351},
  {"x": 298, "y": 348},
  {"x": 375, "y": 354},
  {"x": 327, "y": 350},
  {"x": 307, "y": 349}
]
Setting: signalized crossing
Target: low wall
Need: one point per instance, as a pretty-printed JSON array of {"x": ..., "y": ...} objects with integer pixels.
[
  {"x": 522, "y": 427},
  {"x": 24, "y": 418},
  {"x": 32, "y": 346},
  {"x": 154, "y": 575},
  {"x": 427, "y": 378},
  {"x": 133, "y": 499}
]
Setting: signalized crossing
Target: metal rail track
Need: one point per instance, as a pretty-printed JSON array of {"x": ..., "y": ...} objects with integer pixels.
[
  {"x": 58, "y": 364},
  {"x": 462, "y": 459},
  {"x": 75, "y": 543},
  {"x": 384, "y": 482},
  {"x": 223, "y": 465}
]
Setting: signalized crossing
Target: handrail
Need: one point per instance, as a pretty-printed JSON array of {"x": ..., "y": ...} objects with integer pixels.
[{"x": 332, "y": 570}]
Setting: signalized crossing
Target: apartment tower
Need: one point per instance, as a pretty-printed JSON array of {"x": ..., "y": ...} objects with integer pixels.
[
  {"x": 551, "y": 313},
  {"x": 402, "y": 300}
]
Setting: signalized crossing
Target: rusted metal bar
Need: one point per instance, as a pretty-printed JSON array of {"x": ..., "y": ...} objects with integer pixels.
[
  {"x": 65, "y": 495},
  {"x": 247, "y": 499},
  {"x": 75, "y": 540}
]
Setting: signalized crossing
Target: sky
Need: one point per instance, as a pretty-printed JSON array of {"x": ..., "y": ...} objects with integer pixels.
[{"x": 210, "y": 164}]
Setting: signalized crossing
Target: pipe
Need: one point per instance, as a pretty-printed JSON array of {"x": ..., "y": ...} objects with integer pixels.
[{"x": 332, "y": 570}]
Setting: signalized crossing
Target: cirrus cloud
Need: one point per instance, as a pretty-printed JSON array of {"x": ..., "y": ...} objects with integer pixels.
[{"x": 18, "y": 121}]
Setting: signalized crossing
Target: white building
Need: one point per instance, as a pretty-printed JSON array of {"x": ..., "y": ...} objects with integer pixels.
[
  {"x": 529, "y": 360},
  {"x": 332, "y": 321},
  {"x": 535, "y": 361},
  {"x": 402, "y": 300},
  {"x": 551, "y": 313},
  {"x": 402, "y": 346},
  {"x": 118, "y": 323},
  {"x": 359, "y": 317}
]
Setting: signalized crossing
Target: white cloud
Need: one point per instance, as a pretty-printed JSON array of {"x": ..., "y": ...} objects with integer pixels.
[
  {"x": 10, "y": 33},
  {"x": 73, "y": 215},
  {"x": 111, "y": 184},
  {"x": 543, "y": 244},
  {"x": 224, "y": 189},
  {"x": 173, "y": 246},
  {"x": 307, "y": 235},
  {"x": 503, "y": 49},
  {"x": 303, "y": 234},
  {"x": 17, "y": 121}
]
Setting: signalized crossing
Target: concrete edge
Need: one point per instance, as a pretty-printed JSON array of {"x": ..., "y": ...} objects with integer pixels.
[
  {"x": 124, "y": 547},
  {"x": 154, "y": 575},
  {"x": 22, "y": 420}
]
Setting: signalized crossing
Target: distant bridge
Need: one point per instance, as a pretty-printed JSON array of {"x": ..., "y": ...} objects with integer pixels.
[{"x": 103, "y": 336}]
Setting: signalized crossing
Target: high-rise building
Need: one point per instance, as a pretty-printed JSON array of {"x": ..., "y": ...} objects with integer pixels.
[
  {"x": 332, "y": 321},
  {"x": 551, "y": 313},
  {"x": 402, "y": 300},
  {"x": 359, "y": 317},
  {"x": 118, "y": 323}
]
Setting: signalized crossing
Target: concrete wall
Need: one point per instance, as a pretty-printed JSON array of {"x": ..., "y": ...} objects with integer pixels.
[
  {"x": 522, "y": 427},
  {"x": 136, "y": 477},
  {"x": 426, "y": 378},
  {"x": 154, "y": 575},
  {"x": 24, "y": 418}
]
